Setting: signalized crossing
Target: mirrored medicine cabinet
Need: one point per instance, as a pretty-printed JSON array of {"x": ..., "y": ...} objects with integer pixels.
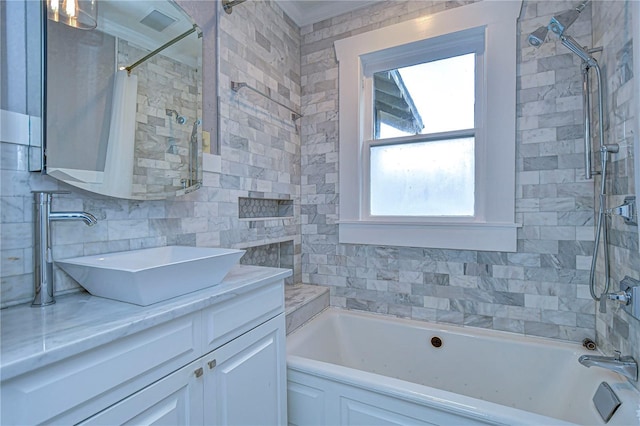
[{"x": 123, "y": 100}]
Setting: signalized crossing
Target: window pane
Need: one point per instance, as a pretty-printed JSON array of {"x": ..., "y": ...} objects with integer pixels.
[
  {"x": 432, "y": 97},
  {"x": 423, "y": 179}
]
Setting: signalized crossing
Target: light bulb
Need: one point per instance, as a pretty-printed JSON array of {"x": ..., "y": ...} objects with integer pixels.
[
  {"x": 54, "y": 10},
  {"x": 71, "y": 10},
  {"x": 81, "y": 14}
]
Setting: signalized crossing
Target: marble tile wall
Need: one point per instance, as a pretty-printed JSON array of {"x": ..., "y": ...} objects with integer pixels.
[
  {"x": 275, "y": 255},
  {"x": 539, "y": 290},
  {"x": 260, "y": 151},
  {"x": 612, "y": 30},
  {"x": 162, "y": 143}
]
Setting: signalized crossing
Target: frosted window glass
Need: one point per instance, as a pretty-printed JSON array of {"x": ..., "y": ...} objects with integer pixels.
[
  {"x": 423, "y": 179},
  {"x": 431, "y": 97}
]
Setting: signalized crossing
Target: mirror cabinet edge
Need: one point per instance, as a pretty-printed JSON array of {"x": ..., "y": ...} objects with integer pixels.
[
  {"x": 208, "y": 116},
  {"x": 37, "y": 133}
]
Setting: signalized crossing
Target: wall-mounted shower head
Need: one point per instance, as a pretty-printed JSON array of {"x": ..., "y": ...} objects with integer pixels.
[
  {"x": 560, "y": 22},
  {"x": 180, "y": 119},
  {"x": 570, "y": 43},
  {"x": 537, "y": 37}
]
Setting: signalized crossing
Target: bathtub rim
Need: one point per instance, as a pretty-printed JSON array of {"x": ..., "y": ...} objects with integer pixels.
[
  {"x": 450, "y": 402},
  {"x": 497, "y": 413},
  {"x": 461, "y": 329}
]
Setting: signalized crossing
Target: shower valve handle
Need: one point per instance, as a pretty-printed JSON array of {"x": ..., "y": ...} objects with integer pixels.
[{"x": 624, "y": 297}]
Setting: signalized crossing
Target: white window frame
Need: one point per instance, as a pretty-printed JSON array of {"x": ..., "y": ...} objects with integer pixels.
[
  {"x": 493, "y": 226},
  {"x": 428, "y": 50}
]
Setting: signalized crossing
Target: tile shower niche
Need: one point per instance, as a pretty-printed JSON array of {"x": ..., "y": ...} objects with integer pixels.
[
  {"x": 277, "y": 255},
  {"x": 264, "y": 208}
]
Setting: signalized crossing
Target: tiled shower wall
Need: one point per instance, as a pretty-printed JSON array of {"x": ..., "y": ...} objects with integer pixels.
[
  {"x": 260, "y": 152},
  {"x": 612, "y": 30},
  {"x": 539, "y": 290},
  {"x": 260, "y": 46},
  {"x": 275, "y": 255},
  {"x": 162, "y": 144}
]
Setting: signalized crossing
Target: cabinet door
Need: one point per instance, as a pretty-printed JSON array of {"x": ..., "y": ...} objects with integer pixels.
[
  {"x": 245, "y": 381},
  {"x": 173, "y": 400}
]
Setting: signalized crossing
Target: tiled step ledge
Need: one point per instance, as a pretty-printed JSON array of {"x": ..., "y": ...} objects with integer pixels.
[{"x": 303, "y": 302}]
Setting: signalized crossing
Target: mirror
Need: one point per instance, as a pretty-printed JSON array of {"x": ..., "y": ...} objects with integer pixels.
[{"x": 123, "y": 101}]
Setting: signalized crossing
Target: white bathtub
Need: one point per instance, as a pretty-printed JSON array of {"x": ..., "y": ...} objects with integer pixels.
[{"x": 354, "y": 368}]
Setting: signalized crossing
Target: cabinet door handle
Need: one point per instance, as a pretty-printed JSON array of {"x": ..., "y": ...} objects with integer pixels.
[
  {"x": 199, "y": 372},
  {"x": 212, "y": 364}
]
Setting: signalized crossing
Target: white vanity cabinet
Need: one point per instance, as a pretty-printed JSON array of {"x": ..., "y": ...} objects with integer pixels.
[
  {"x": 173, "y": 400},
  {"x": 245, "y": 380},
  {"x": 240, "y": 383},
  {"x": 222, "y": 361}
]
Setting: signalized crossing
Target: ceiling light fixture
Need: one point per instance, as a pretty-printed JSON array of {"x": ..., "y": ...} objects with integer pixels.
[{"x": 82, "y": 14}]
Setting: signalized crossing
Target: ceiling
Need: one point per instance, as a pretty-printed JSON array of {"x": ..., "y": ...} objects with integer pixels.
[
  {"x": 305, "y": 12},
  {"x": 125, "y": 19}
]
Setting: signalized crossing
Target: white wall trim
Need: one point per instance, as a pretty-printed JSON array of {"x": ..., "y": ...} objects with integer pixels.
[
  {"x": 499, "y": 21},
  {"x": 20, "y": 129},
  {"x": 475, "y": 236}
]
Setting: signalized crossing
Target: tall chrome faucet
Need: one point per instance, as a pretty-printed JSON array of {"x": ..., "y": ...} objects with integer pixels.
[
  {"x": 42, "y": 257},
  {"x": 625, "y": 365}
]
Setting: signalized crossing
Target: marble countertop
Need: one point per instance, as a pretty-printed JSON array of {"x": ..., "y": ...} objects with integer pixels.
[{"x": 35, "y": 337}]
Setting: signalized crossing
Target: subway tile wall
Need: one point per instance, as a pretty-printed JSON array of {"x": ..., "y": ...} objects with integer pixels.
[
  {"x": 612, "y": 30},
  {"x": 541, "y": 289},
  {"x": 162, "y": 143},
  {"x": 260, "y": 151}
]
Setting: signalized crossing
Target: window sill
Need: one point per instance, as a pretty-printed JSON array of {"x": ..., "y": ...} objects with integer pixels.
[{"x": 459, "y": 236}]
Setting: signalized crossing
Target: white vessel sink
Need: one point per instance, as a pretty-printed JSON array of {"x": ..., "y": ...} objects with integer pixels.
[{"x": 151, "y": 275}]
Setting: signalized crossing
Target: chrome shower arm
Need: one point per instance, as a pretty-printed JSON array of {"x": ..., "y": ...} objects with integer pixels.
[
  {"x": 571, "y": 44},
  {"x": 582, "y": 5}
]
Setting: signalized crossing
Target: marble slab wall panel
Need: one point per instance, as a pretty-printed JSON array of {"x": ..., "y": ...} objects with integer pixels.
[
  {"x": 542, "y": 289},
  {"x": 260, "y": 152},
  {"x": 612, "y": 30}
]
